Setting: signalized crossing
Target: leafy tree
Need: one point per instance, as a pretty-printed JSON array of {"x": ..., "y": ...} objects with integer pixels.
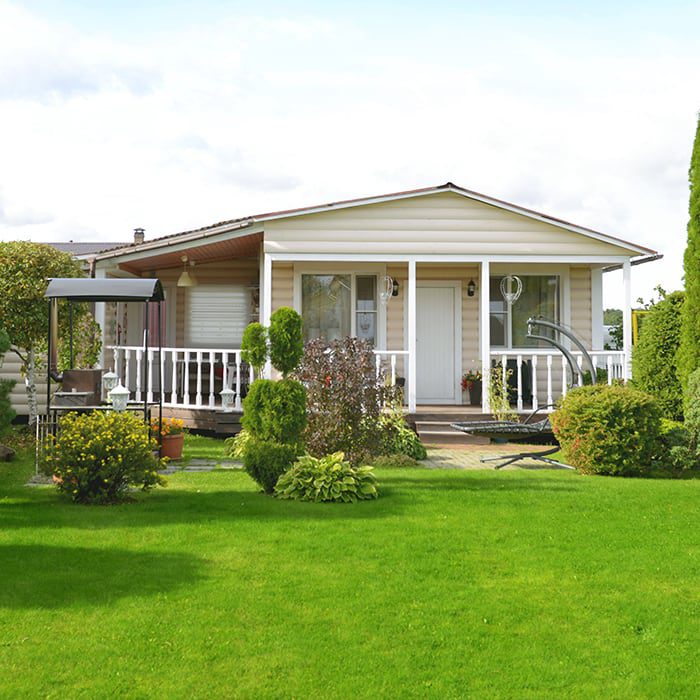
[
  {"x": 613, "y": 317},
  {"x": 25, "y": 269},
  {"x": 688, "y": 358},
  {"x": 653, "y": 359}
]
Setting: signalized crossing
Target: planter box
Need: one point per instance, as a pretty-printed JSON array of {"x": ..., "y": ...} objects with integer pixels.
[{"x": 172, "y": 446}]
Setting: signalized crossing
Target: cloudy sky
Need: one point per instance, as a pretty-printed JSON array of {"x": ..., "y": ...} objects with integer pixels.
[{"x": 172, "y": 115}]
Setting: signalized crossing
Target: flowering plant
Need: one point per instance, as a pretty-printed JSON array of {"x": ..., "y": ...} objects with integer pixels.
[
  {"x": 469, "y": 377},
  {"x": 169, "y": 426}
]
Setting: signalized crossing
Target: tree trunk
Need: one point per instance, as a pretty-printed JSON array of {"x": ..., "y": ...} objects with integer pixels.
[{"x": 30, "y": 383}]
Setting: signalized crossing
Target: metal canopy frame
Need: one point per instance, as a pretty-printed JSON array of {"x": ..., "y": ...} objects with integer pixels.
[{"x": 102, "y": 290}]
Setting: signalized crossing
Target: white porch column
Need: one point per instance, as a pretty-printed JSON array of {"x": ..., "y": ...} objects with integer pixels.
[
  {"x": 412, "y": 336},
  {"x": 627, "y": 318},
  {"x": 266, "y": 302},
  {"x": 101, "y": 317},
  {"x": 485, "y": 335}
]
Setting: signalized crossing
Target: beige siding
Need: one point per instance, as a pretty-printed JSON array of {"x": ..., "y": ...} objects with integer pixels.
[
  {"x": 282, "y": 285},
  {"x": 580, "y": 280},
  {"x": 11, "y": 370},
  {"x": 439, "y": 224}
]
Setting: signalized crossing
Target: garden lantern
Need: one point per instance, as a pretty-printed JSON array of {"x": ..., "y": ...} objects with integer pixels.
[
  {"x": 109, "y": 381},
  {"x": 119, "y": 396},
  {"x": 228, "y": 396}
]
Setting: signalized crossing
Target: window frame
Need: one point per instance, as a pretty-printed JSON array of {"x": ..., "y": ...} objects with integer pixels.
[
  {"x": 544, "y": 270},
  {"x": 354, "y": 270}
]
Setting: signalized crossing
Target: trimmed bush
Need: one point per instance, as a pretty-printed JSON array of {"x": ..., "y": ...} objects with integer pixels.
[
  {"x": 397, "y": 438},
  {"x": 610, "y": 430},
  {"x": 265, "y": 462},
  {"x": 327, "y": 479},
  {"x": 345, "y": 399},
  {"x": 286, "y": 340},
  {"x": 254, "y": 346},
  {"x": 654, "y": 357},
  {"x": 98, "y": 456},
  {"x": 275, "y": 411},
  {"x": 7, "y": 413}
]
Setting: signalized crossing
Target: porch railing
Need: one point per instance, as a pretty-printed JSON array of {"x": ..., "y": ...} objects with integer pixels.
[
  {"x": 549, "y": 373},
  {"x": 192, "y": 377},
  {"x": 393, "y": 363}
]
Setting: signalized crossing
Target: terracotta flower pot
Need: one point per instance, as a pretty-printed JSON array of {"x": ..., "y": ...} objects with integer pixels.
[{"x": 172, "y": 445}]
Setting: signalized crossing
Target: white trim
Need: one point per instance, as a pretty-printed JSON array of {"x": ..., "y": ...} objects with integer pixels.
[
  {"x": 627, "y": 317},
  {"x": 411, "y": 345},
  {"x": 353, "y": 270},
  {"x": 457, "y": 258},
  {"x": 597, "y": 331},
  {"x": 485, "y": 334},
  {"x": 455, "y": 285},
  {"x": 100, "y": 315},
  {"x": 266, "y": 302}
]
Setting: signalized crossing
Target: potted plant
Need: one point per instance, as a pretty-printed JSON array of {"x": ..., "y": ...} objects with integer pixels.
[
  {"x": 471, "y": 382},
  {"x": 173, "y": 436}
]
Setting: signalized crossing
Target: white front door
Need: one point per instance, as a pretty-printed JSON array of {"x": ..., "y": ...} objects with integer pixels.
[{"x": 438, "y": 342}]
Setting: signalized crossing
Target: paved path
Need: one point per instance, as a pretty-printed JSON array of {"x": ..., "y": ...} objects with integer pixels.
[{"x": 469, "y": 457}]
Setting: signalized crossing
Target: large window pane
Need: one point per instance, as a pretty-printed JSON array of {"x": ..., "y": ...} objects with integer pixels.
[
  {"x": 539, "y": 297},
  {"x": 326, "y": 306}
]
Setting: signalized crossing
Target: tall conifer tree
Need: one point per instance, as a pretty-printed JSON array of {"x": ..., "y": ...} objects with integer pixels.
[{"x": 689, "y": 351}]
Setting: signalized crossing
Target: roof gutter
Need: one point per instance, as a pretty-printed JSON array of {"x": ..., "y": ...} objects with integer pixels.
[{"x": 637, "y": 261}]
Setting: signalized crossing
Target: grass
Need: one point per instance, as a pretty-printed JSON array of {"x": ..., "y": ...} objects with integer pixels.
[{"x": 452, "y": 584}]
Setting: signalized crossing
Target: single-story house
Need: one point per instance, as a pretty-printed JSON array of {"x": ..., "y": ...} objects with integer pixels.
[{"x": 417, "y": 273}]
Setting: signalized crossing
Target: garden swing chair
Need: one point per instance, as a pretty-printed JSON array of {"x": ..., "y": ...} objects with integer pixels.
[{"x": 517, "y": 431}]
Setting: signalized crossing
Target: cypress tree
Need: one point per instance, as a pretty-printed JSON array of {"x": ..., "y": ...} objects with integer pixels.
[{"x": 688, "y": 358}]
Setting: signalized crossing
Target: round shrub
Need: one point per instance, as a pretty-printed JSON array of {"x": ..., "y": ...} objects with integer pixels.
[
  {"x": 398, "y": 438},
  {"x": 610, "y": 430},
  {"x": 654, "y": 356},
  {"x": 329, "y": 479},
  {"x": 275, "y": 411},
  {"x": 98, "y": 456},
  {"x": 265, "y": 462},
  {"x": 286, "y": 339},
  {"x": 254, "y": 346}
]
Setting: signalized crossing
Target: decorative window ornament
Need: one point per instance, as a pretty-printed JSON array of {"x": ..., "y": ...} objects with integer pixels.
[
  {"x": 511, "y": 288},
  {"x": 387, "y": 289}
]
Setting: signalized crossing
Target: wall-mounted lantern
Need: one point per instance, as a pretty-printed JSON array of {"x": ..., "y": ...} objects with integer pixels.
[{"x": 471, "y": 288}]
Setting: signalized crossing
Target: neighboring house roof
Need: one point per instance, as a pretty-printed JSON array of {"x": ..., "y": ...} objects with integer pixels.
[
  {"x": 80, "y": 248},
  {"x": 244, "y": 222}
]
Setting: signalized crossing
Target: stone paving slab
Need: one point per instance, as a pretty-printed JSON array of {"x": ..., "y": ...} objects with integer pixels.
[{"x": 470, "y": 457}]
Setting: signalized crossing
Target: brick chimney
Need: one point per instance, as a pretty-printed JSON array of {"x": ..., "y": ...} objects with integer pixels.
[{"x": 139, "y": 235}]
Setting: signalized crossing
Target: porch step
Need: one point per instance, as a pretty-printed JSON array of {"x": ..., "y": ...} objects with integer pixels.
[{"x": 439, "y": 432}]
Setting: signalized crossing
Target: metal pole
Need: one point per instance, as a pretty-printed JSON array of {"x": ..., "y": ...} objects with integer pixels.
[
  {"x": 48, "y": 365},
  {"x": 145, "y": 374},
  {"x": 70, "y": 334},
  {"x": 160, "y": 383}
]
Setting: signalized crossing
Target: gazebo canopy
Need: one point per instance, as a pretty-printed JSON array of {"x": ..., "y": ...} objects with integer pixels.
[{"x": 81, "y": 289}]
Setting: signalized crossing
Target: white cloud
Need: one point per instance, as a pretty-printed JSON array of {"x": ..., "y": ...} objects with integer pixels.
[{"x": 216, "y": 121}]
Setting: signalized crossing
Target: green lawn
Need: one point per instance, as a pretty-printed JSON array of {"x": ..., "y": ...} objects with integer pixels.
[{"x": 452, "y": 584}]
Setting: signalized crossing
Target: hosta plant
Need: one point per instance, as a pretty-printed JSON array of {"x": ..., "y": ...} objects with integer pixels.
[{"x": 327, "y": 479}]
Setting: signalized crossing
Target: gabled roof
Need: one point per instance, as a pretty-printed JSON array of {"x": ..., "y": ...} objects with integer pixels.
[{"x": 250, "y": 221}]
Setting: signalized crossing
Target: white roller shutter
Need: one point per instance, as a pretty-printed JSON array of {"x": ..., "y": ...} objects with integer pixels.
[{"x": 217, "y": 315}]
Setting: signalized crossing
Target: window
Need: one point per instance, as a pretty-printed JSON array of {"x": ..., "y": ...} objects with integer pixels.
[
  {"x": 540, "y": 297},
  {"x": 217, "y": 315},
  {"x": 335, "y": 306}
]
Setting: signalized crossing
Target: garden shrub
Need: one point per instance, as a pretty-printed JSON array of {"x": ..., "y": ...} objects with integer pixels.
[
  {"x": 330, "y": 479},
  {"x": 275, "y": 410},
  {"x": 601, "y": 376},
  {"x": 654, "y": 356},
  {"x": 266, "y": 461},
  {"x": 7, "y": 413},
  {"x": 286, "y": 340},
  {"x": 236, "y": 446},
  {"x": 610, "y": 430},
  {"x": 394, "y": 461},
  {"x": 98, "y": 456},
  {"x": 344, "y": 398},
  {"x": 397, "y": 437},
  {"x": 254, "y": 346},
  {"x": 680, "y": 442}
]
